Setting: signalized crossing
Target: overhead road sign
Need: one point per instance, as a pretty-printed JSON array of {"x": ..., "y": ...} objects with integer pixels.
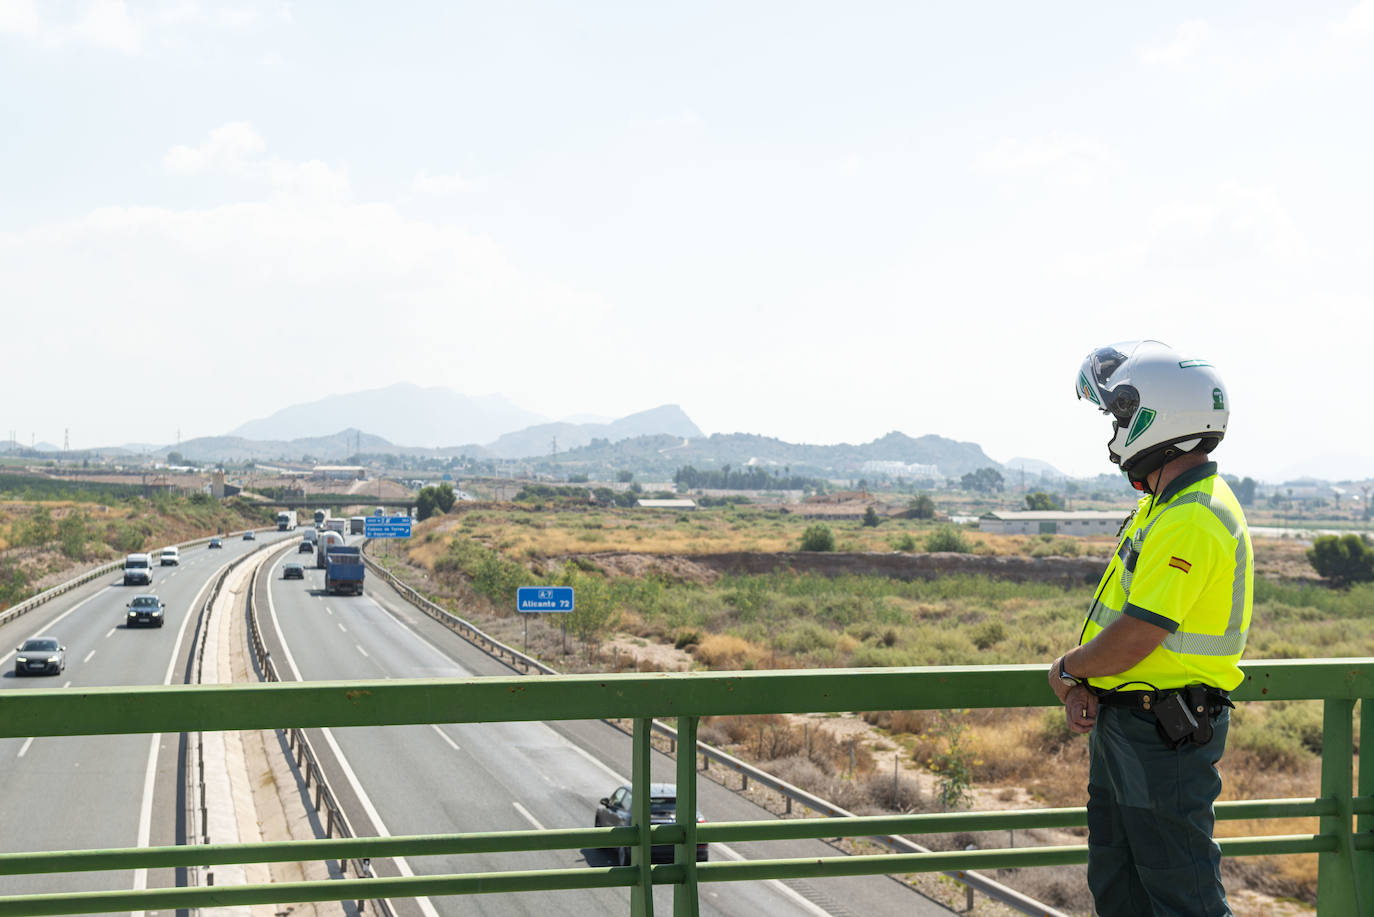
[
  {"x": 544, "y": 598},
  {"x": 386, "y": 526}
]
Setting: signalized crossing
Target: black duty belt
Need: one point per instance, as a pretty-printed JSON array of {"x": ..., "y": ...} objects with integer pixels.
[
  {"x": 1146, "y": 700},
  {"x": 1181, "y": 715}
]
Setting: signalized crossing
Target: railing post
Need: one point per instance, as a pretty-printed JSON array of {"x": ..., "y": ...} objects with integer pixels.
[
  {"x": 685, "y": 895},
  {"x": 1364, "y": 824},
  {"x": 641, "y": 894},
  {"x": 1335, "y": 870}
]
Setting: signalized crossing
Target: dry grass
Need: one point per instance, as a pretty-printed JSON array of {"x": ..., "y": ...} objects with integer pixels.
[
  {"x": 530, "y": 533},
  {"x": 728, "y": 652}
]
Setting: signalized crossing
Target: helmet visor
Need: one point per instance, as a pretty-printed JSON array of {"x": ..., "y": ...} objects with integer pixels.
[{"x": 1101, "y": 381}]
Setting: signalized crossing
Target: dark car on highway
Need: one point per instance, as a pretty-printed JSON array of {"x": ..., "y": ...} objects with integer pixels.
[
  {"x": 145, "y": 610},
  {"x": 292, "y": 571},
  {"x": 216, "y": 543},
  {"x": 40, "y": 656},
  {"x": 306, "y": 548},
  {"x": 249, "y": 535},
  {"x": 615, "y": 811}
]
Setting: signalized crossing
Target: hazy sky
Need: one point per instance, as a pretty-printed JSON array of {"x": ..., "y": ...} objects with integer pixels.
[{"x": 816, "y": 221}]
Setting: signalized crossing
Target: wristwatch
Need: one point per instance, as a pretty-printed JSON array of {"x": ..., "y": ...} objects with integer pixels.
[{"x": 1065, "y": 677}]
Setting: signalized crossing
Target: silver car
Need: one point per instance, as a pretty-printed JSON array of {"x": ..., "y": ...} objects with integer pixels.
[{"x": 40, "y": 656}]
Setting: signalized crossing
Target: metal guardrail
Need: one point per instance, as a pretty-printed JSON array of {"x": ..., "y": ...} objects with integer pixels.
[
  {"x": 1344, "y": 841},
  {"x": 459, "y": 625},
  {"x": 307, "y": 762},
  {"x": 974, "y": 881}
]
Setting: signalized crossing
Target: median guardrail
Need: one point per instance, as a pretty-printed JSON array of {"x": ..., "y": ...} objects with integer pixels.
[
  {"x": 307, "y": 762},
  {"x": 1344, "y": 841}
]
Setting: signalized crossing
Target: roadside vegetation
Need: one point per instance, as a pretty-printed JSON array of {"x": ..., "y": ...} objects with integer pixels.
[
  {"x": 51, "y": 528},
  {"x": 685, "y": 617}
]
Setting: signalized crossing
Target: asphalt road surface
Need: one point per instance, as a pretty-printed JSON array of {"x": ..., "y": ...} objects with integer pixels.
[
  {"x": 503, "y": 776},
  {"x": 79, "y": 792}
]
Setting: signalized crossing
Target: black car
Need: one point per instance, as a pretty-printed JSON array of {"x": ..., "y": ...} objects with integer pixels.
[
  {"x": 615, "y": 811},
  {"x": 145, "y": 610},
  {"x": 292, "y": 571},
  {"x": 249, "y": 536},
  {"x": 306, "y": 548},
  {"x": 216, "y": 543},
  {"x": 40, "y": 656}
]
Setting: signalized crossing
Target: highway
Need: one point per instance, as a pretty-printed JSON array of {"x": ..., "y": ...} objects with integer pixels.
[
  {"x": 104, "y": 791},
  {"x": 502, "y": 776}
]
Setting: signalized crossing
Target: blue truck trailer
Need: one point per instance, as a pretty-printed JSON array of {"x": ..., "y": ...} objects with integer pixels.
[{"x": 343, "y": 570}]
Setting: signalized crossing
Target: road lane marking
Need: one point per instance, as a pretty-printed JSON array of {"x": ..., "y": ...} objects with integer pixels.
[
  {"x": 787, "y": 891},
  {"x": 111, "y": 631},
  {"x": 403, "y": 867},
  {"x": 443, "y": 735},
  {"x": 25, "y": 747},
  {"x": 145, "y": 812},
  {"x": 597, "y": 762},
  {"x": 342, "y": 628},
  {"x": 528, "y": 817},
  {"x": 327, "y": 611},
  {"x": 359, "y": 648},
  {"x": 48, "y": 626},
  {"x": 68, "y": 684},
  {"x": 88, "y": 657}
]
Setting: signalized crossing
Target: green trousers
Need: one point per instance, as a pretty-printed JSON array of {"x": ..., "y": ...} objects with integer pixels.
[{"x": 1150, "y": 846}]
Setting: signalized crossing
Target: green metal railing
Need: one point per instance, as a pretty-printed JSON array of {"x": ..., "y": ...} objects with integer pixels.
[{"x": 1344, "y": 842}]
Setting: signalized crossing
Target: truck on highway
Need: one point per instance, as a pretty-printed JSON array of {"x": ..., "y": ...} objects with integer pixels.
[
  {"x": 326, "y": 541},
  {"x": 339, "y": 525},
  {"x": 356, "y": 524},
  {"x": 343, "y": 570},
  {"x": 286, "y": 520},
  {"x": 321, "y": 517}
]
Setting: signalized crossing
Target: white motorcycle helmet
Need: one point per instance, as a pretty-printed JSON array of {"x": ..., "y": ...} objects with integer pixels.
[{"x": 1162, "y": 404}]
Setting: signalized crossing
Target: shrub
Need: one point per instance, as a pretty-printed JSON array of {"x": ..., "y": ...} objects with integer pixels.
[
  {"x": 871, "y": 519},
  {"x": 920, "y": 507},
  {"x": 948, "y": 540},
  {"x": 1343, "y": 559},
  {"x": 988, "y": 633},
  {"x": 818, "y": 537},
  {"x": 903, "y": 543}
]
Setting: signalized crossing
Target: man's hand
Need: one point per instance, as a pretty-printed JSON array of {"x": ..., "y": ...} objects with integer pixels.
[{"x": 1080, "y": 709}]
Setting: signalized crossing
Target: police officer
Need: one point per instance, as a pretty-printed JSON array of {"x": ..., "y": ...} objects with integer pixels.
[{"x": 1160, "y": 648}]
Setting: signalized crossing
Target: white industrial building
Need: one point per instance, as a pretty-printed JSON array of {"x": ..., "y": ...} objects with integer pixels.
[{"x": 1052, "y": 522}]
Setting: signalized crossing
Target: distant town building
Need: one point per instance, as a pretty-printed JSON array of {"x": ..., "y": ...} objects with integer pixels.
[
  {"x": 667, "y": 504},
  {"x": 339, "y": 472},
  {"x": 900, "y": 469},
  {"x": 1052, "y": 522}
]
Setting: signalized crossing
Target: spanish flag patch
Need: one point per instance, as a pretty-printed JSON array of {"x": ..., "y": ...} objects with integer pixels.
[{"x": 1178, "y": 563}]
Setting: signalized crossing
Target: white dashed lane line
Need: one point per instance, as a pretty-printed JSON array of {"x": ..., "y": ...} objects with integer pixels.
[
  {"x": 88, "y": 656},
  {"x": 68, "y": 684},
  {"x": 327, "y": 611},
  {"x": 527, "y": 816},
  {"x": 443, "y": 735},
  {"x": 360, "y": 649},
  {"x": 23, "y": 749},
  {"x": 109, "y": 633},
  {"x": 342, "y": 628}
]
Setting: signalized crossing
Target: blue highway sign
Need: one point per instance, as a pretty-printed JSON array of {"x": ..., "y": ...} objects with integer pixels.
[
  {"x": 544, "y": 598},
  {"x": 386, "y": 526}
]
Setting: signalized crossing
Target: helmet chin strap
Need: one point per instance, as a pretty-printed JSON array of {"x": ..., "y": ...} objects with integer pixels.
[{"x": 1147, "y": 464}]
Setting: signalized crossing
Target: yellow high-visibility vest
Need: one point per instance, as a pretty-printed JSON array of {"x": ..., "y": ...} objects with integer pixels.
[{"x": 1185, "y": 564}]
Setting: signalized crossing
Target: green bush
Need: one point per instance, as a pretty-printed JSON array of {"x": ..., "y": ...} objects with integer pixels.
[
  {"x": 903, "y": 543},
  {"x": 948, "y": 540},
  {"x": 871, "y": 519},
  {"x": 1343, "y": 559},
  {"x": 818, "y": 537}
]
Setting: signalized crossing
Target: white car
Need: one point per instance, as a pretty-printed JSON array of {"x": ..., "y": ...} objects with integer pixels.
[
  {"x": 171, "y": 557},
  {"x": 138, "y": 569}
]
